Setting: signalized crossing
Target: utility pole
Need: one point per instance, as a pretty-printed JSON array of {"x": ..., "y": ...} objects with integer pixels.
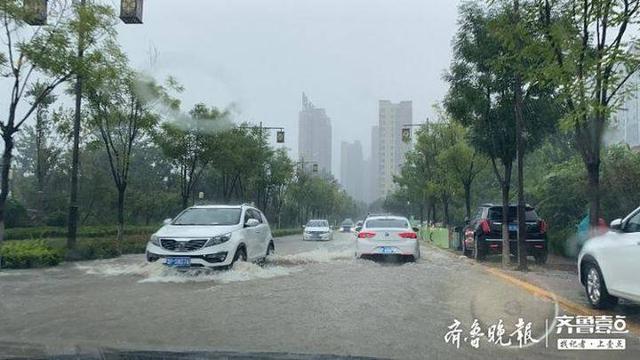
[{"x": 72, "y": 223}]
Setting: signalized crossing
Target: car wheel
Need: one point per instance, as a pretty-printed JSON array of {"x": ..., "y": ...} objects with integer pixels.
[
  {"x": 478, "y": 250},
  {"x": 541, "y": 258},
  {"x": 596, "y": 289},
  {"x": 241, "y": 255},
  {"x": 271, "y": 249}
]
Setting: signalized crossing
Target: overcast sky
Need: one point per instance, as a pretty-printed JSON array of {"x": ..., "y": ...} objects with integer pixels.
[{"x": 262, "y": 54}]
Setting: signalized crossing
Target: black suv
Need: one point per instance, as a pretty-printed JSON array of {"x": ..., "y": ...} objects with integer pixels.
[{"x": 483, "y": 234}]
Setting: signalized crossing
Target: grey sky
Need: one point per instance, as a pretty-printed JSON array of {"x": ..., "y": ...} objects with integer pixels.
[{"x": 262, "y": 54}]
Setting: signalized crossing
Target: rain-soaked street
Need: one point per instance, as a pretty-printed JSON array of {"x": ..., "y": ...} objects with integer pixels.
[{"x": 311, "y": 298}]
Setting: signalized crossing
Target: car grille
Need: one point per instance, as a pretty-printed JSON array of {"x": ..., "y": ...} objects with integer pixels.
[
  {"x": 317, "y": 232},
  {"x": 183, "y": 246}
]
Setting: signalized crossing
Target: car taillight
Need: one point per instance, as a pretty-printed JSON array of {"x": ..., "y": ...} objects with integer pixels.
[
  {"x": 408, "y": 235},
  {"x": 486, "y": 226},
  {"x": 543, "y": 226},
  {"x": 366, "y": 234}
]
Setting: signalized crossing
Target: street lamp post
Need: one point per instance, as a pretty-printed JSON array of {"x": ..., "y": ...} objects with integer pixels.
[{"x": 130, "y": 13}]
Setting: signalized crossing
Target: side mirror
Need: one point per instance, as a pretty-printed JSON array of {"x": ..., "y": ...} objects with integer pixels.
[
  {"x": 252, "y": 223},
  {"x": 416, "y": 229},
  {"x": 359, "y": 228},
  {"x": 167, "y": 221},
  {"x": 616, "y": 224}
]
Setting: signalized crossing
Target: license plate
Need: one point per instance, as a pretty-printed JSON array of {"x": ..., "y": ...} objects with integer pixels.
[
  {"x": 178, "y": 262},
  {"x": 513, "y": 227},
  {"x": 388, "y": 250}
]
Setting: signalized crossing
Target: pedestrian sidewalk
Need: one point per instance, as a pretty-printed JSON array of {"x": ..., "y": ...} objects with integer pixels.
[{"x": 557, "y": 279}]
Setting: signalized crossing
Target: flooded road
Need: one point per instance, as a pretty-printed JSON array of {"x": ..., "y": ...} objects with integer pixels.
[{"x": 309, "y": 298}]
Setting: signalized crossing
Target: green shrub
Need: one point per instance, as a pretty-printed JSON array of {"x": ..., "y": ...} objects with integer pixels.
[
  {"x": 29, "y": 254},
  {"x": 45, "y": 232}
]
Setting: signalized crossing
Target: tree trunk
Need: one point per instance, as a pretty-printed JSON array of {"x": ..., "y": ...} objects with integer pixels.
[
  {"x": 72, "y": 226},
  {"x": 445, "y": 210},
  {"x": 467, "y": 201},
  {"x": 7, "y": 156},
  {"x": 185, "y": 200},
  {"x": 433, "y": 212},
  {"x": 121, "y": 192},
  {"x": 506, "y": 186},
  {"x": 593, "y": 173}
]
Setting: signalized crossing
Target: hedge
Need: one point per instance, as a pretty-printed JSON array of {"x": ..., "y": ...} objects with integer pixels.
[
  {"x": 45, "y": 232},
  {"x": 285, "y": 232},
  {"x": 29, "y": 254}
]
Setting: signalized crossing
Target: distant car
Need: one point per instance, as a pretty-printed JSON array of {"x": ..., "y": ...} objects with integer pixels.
[
  {"x": 212, "y": 236},
  {"x": 317, "y": 230},
  {"x": 483, "y": 235},
  {"x": 347, "y": 225},
  {"x": 382, "y": 236},
  {"x": 609, "y": 264}
]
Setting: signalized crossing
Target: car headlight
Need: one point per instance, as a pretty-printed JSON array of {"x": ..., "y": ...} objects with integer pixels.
[
  {"x": 217, "y": 240},
  {"x": 155, "y": 240}
]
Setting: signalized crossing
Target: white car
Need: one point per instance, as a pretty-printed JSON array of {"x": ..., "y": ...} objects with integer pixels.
[
  {"x": 387, "y": 235},
  {"x": 608, "y": 265},
  {"x": 212, "y": 236},
  {"x": 317, "y": 230}
]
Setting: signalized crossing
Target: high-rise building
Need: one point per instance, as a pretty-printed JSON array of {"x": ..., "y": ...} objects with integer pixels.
[
  {"x": 314, "y": 140},
  {"x": 391, "y": 148},
  {"x": 625, "y": 124},
  {"x": 374, "y": 164},
  {"x": 352, "y": 169}
]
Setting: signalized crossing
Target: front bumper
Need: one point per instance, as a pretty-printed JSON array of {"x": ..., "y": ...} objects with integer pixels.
[
  {"x": 319, "y": 237},
  {"x": 213, "y": 256}
]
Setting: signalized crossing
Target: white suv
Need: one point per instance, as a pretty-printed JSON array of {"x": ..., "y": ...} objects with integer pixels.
[
  {"x": 608, "y": 265},
  {"x": 212, "y": 236}
]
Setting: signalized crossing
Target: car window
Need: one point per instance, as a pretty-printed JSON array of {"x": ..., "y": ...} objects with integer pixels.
[
  {"x": 317, "y": 223},
  {"x": 255, "y": 215},
  {"x": 633, "y": 225},
  {"x": 387, "y": 223},
  {"x": 495, "y": 214}
]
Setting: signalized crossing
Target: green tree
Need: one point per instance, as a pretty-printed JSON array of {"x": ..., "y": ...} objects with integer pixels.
[
  {"x": 591, "y": 55},
  {"x": 45, "y": 55}
]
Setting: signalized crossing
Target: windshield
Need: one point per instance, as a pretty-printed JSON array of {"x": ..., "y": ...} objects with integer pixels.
[
  {"x": 318, "y": 223},
  {"x": 213, "y": 217},
  {"x": 387, "y": 223}
]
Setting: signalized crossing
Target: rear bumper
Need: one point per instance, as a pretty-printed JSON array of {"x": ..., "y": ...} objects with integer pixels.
[
  {"x": 367, "y": 248},
  {"x": 533, "y": 246}
]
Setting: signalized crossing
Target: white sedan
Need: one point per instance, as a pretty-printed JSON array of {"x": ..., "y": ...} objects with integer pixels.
[
  {"x": 609, "y": 264},
  {"x": 383, "y": 236},
  {"x": 317, "y": 230}
]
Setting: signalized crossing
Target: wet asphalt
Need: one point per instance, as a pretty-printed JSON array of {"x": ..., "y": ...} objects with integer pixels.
[{"x": 311, "y": 300}]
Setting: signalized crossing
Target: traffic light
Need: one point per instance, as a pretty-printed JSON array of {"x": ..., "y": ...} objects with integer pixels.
[
  {"x": 280, "y": 136},
  {"x": 406, "y": 134}
]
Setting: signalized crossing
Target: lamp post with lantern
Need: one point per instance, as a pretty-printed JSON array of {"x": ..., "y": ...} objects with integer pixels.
[{"x": 36, "y": 15}]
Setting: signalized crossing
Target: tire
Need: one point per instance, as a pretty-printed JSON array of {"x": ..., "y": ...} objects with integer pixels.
[
  {"x": 241, "y": 255},
  {"x": 271, "y": 249},
  {"x": 596, "y": 289},
  {"x": 478, "y": 249},
  {"x": 541, "y": 258}
]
